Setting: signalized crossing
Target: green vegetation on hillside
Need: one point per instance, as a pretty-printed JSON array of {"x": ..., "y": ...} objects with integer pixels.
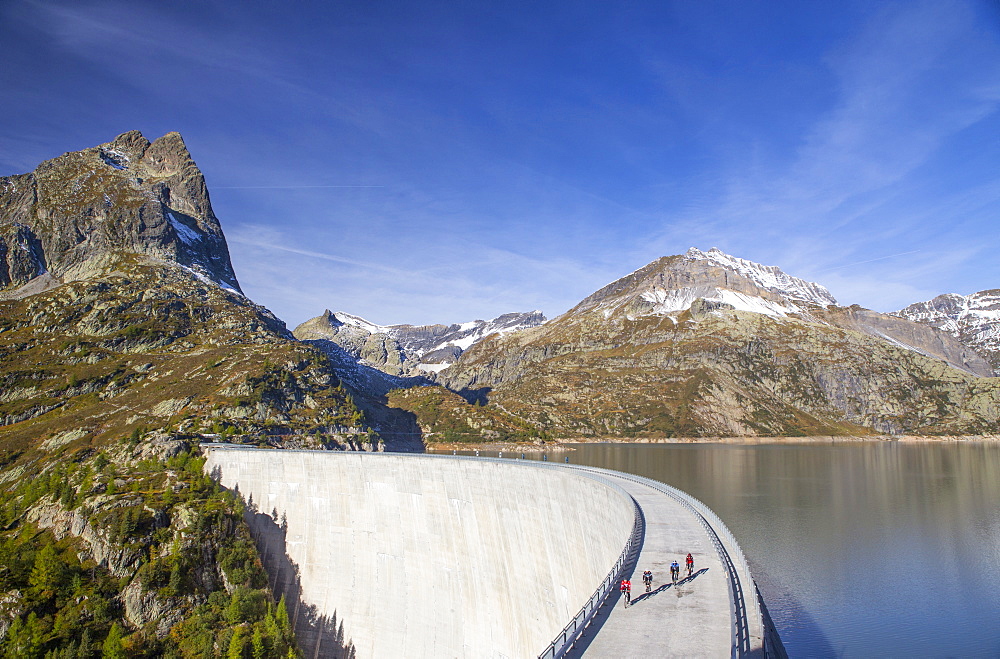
[
  {"x": 118, "y": 352},
  {"x": 444, "y": 416},
  {"x": 114, "y": 554}
]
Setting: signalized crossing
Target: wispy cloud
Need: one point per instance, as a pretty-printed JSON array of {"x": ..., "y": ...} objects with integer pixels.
[
  {"x": 266, "y": 238},
  {"x": 465, "y": 280},
  {"x": 880, "y": 258}
]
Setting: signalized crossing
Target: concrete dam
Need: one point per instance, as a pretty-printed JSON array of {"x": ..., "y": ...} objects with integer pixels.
[{"x": 402, "y": 555}]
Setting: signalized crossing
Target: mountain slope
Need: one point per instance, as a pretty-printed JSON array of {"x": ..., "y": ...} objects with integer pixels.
[
  {"x": 705, "y": 344},
  {"x": 972, "y": 319},
  {"x": 151, "y": 346}
]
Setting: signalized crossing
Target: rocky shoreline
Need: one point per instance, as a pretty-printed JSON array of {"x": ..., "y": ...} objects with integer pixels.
[{"x": 568, "y": 444}]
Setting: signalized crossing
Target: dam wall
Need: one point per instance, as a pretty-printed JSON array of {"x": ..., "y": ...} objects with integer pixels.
[{"x": 432, "y": 556}]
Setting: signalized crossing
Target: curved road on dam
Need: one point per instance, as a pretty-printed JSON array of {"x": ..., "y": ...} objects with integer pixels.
[
  {"x": 488, "y": 557},
  {"x": 691, "y": 618}
]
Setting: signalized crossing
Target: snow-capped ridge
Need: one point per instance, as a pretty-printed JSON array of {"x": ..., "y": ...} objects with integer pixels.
[
  {"x": 973, "y": 319},
  {"x": 357, "y": 321},
  {"x": 769, "y": 277},
  {"x": 406, "y": 349},
  {"x": 672, "y": 284}
]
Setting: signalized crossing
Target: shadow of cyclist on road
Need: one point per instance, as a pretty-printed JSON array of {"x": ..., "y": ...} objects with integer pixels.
[{"x": 639, "y": 598}]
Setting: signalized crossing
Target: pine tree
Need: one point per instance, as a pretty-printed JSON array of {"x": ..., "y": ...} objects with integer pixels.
[
  {"x": 47, "y": 573},
  {"x": 85, "y": 643},
  {"x": 176, "y": 583},
  {"x": 282, "y": 616},
  {"x": 113, "y": 647},
  {"x": 257, "y": 642},
  {"x": 236, "y": 644}
]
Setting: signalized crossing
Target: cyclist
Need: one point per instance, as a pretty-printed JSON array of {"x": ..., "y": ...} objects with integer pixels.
[
  {"x": 626, "y": 589},
  {"x": 690, "y": 564},
  {"x": 675, "y": 571},
  {"x": 647, "y": 578}
]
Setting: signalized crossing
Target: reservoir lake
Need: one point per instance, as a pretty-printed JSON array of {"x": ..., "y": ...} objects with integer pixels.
[{"x": 861, "y": 549}]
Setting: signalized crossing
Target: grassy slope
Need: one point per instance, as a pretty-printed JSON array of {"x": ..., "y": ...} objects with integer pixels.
[
  {"x": 445, "y": 416},
  {"x": 151, "y": 347}
]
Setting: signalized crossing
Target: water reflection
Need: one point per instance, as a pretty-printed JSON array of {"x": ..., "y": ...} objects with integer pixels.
[{"x": 861, "y": 549}]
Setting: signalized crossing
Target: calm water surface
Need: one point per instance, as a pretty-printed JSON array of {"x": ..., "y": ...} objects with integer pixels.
[{"x": 871, "y": 549}]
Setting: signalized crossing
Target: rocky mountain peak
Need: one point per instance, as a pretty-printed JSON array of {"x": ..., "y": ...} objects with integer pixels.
[
  {"x": 75, "y": 214},
  {"x": 671, "y": 349},
  {"x": 672, "y": 284}
]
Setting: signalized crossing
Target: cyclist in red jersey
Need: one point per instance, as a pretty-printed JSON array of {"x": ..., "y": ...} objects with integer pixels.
[
  {"x": 690, "y": 564},
  {"x": 626, "y": 589}
]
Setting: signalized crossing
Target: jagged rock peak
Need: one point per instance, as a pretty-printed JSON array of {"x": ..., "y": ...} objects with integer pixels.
[
  {"x": 952, "y": 307},
  {"x": 75, "y": 213}
]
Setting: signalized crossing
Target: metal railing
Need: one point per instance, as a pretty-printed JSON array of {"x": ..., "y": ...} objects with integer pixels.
[{"x": 570, "y": 634}]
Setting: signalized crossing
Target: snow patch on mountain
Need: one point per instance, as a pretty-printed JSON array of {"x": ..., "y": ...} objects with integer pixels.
[
  {"x": 464, "y": 343},
  {"x": 769, "y": 277},
  {"x": 361, "y": 323},
  {"x": 409, "y": 349},
  {"x": 183, "y": 231},
  {"x": 433, "y": 368},
  {"x": 669, "y": 302},
  {"x": 203, "y": 276},
  {"x": 460, "y": 335}
]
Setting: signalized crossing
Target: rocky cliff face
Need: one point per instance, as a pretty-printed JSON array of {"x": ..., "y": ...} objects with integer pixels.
[
  {"x": 972, "y": 319},
  {"x": 705, "y": 344},
  {"x": 68, "y": 218},
  {"x": 921, "y": 338}
]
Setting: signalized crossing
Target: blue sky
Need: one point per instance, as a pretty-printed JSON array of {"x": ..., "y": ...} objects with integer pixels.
[{"x": 439, "y": 162}]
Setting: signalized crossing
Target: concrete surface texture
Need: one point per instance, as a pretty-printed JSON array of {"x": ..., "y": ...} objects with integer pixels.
[
  {"x": 691, "y": 618},
  {"x": 435, "y": 556}
]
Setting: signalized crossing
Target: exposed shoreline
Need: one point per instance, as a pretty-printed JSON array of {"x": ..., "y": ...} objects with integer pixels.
[{"x": 568, "y": 444}]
